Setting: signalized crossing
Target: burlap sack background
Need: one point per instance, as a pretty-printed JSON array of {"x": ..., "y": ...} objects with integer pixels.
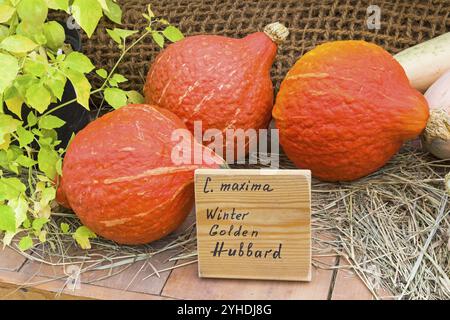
[{"x": 403, "y": 23}]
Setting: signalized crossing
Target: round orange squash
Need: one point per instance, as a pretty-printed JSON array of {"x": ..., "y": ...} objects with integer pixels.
[
  {"x": 222, "y": 82},
  {"x": 120, "y": 179},
  {"x": 345, "y": 109}
]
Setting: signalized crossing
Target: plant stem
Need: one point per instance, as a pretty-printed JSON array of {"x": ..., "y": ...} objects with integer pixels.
[
  {"x": 125, "y": 51},
  {"x": 66, "y": 103}
]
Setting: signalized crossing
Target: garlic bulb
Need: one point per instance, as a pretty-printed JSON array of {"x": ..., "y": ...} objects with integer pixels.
[{"x": 436, "y": 138}]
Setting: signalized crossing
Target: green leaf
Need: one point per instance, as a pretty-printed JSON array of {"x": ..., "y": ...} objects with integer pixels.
[
  {"x": 25, "y": 243},
  {"x": 13, "y": 152},
  {"x": 65, "y": 228},
  {"x": 158, "y": 38},
  {"x": 48, "y": 195},
  {"x": 123, "y": 33},
  {"x": 56, "y": 87},
  {"x": 70, "y": 140},
  {"x": 8, "y": 125},
  {"x": 150, "y": 11},
  {"x": 7, "y": 239},
  {"x": 4, "y": 32},
  {"x": 38, "y": 224},
  {"x": 42, "y": 211},
  {"x": 56, "y": 82},
  {"x": 38, "y": 97},
  {"x": 24, "y": 136},
  {"x": 87, "y": 14},
  {"x": 32, "y": 119},
  {"x": 173, "y": 34},
  {"x": 114, "y": 13},
  {"x": 49, "y": 137},
  {"x": 7, "y": 218},
  {"x": 118, "y": 78},
  {"x": 32, "y": 31},
  {"x": 6, "y": 12},
  {"x": 54, "y": 34},
  {"x": 25, "y": 161},
  {"x": 116, "y": 97},
  {"x": 58, "y": 4},
  {"x": 9, "y": 68},
  {"x": 37, "y": 132},
  {"x": 20, "y": 207},
  {"x": 114, "y": 35},
  {"x": 59, "y": 167},
  {"x": 34, "y": 11},
  {"x": 42, "y": 235},
  {"x": 50, "y": 122},
  {"x": 82, "y": 236},
  {"x": 6, "y": 144},
  {"x": 81, "y": 85},
  {"x": 14, "y": 167},
  {"x": 118, "y": 35},
  {"x": 27, "y": 224},
  {"x": 18, "y": 44},
  {"x": 3, "y": 159},
  {"x": 135, "y": 97},
  {"x": 78, "y": 62},
  {"x": 102, "y": 73},
  {"x": 34, "y": 67},
  {"x": 13, "y": 101},
  {"x": 24, "y": 82},
  {"x": 47, "y": 159},
  {"x": 11, "y": 188},
  {"x": 103, "y": 4}
]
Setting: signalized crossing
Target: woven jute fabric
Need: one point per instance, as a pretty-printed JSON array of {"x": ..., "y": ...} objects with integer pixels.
[{"x": 404, "y": 23}]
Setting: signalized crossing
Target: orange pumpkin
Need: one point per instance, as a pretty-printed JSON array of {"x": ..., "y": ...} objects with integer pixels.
[
  {"x": 345, "y": 109},
  {"x": 120, "y": 179},
  {"x": 222, "y": 82}
]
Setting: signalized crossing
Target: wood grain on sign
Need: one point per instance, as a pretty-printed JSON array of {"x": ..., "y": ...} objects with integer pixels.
[{"x": 254, "y": 224}]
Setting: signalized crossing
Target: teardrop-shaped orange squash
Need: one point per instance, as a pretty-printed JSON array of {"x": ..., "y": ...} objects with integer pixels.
[
  {"x": 345, "y": 109},
  {"x": 222, "y": 82}
]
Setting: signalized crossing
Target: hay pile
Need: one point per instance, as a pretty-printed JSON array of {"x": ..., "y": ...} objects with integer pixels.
[{"x": 393, "y": 226}]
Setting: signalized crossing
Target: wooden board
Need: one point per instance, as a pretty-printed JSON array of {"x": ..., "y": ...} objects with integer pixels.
[
  {"x": 182, "y": 283},
  {"x": 10, "y": 259},
  {"x": 22, "y": 286},
  {"x": 254, "y": 224},
  {"x": 33, "y": 280},
  {"x": 132, "y": 277}
]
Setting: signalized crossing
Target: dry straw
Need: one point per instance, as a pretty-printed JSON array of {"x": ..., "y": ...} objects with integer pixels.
[{"x": 392, "y": 227}]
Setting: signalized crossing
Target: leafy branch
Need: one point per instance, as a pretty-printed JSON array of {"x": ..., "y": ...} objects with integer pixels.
[{"x": 36, "y": 64}]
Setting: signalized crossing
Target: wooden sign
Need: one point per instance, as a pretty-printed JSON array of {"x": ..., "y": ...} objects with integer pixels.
[{"x": 254, "y": 224}]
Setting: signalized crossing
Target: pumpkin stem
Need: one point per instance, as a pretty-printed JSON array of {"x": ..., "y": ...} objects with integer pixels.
[
  {"x": 438, "y": 125},
  {"x": 276, "y": 32}
]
